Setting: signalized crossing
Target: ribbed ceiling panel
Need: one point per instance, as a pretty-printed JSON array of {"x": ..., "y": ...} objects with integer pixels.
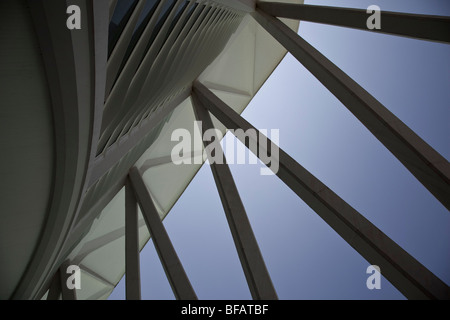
[{"x": 164, "y": 46}]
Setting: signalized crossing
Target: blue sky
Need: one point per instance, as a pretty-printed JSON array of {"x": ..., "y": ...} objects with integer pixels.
[{"x": 305, "y": 257}]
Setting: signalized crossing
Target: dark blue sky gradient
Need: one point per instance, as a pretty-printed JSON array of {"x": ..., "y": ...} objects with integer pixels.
[{"x": 305, "y": 257}]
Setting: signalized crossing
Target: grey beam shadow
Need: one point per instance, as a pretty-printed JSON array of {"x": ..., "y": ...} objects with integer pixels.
[
  {"x": 115, "y": 152},
  {"x": 99, "y": 294},
  {"x": 173, "y": 268},
  {"x": 427, "y": 165},
  {"x": 96, "y": 276},
  {"x": 100, "y": 242},
  {"x": 409, "y": 276},
  {"x": 253, "y": 265},
  {"x": 419, "y": 26},
  {"x": 154, "y": 162}
]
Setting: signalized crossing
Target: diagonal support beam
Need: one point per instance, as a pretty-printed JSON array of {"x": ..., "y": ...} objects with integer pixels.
[
  {"x": 54, "y": 290},
  {"x": 420, "y": 26},
  {"x": 401, "y": 269},
  {"x": 252, "y": 262},
  {"x": 175, "y": 273},
  {"x": 427, "y": 165},
  {"x": 132, "y": 266}
]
